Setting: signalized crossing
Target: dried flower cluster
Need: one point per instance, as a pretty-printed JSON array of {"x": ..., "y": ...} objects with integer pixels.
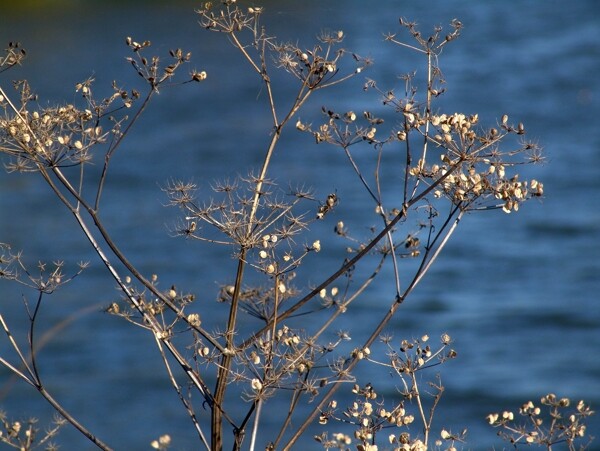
[
  {"x": 26, "y": 435},
  {"x": 63, "y": 136},
  {"x": 372, "y": 417},
  {"x": 553, "y": 422}
]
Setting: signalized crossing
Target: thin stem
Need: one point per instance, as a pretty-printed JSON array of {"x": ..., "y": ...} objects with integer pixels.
[
  {"x": 417, "y": 396},
  {"x": 34, "y": 380},
  {"x": 110, "y": 152},
  {"x": 30, "y": 379},
  {"x": 66, "y": 415},
  {"x": 226, "y": 359},
  {"x": 255, "y": 426},
  {"x": 186, "y": 404}
]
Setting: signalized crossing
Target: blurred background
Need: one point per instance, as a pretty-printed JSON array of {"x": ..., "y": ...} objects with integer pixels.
[{"x": 518, "y": 293}]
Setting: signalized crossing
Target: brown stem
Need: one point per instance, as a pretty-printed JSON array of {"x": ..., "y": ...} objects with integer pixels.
[{"x": 226, "y": 359}]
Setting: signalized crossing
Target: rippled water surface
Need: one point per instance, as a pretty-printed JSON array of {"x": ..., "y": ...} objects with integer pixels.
[{"x": 518, "y": 293}]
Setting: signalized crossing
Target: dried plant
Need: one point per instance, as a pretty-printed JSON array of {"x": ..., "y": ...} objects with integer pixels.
[
  {"x": 560, "y": 425},
  {"x": 25, "y": 436},
  {"x": 448, "y": 165}
]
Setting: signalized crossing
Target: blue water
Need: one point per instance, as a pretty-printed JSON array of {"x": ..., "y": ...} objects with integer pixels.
[{"x": 518, "y": 293}]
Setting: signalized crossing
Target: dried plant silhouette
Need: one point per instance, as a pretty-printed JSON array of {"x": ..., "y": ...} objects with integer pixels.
[{"x": 448, "y": 165}]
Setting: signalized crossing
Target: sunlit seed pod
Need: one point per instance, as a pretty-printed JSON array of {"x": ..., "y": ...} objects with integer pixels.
[
  {"x": 256, "y": 384},
  {"x": 270, "y": 269},
  {"x": 331, "y": 200},
  {"x": 401, "y": 135},
  {"x": 281, "y": 287},
  {"x": 334, "y": 291},
  {"x": 518, "y": 193},
  {"x": 323, "y": 293},
  {"x": 263, "y": 254},
  {"x": 194, "y": 319},
  {"x": 78, "y": 145},
  {"x": 492, "y": 418}
]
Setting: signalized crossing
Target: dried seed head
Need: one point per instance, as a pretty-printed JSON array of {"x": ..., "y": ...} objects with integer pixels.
[{"x": 256, "y": 384}]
